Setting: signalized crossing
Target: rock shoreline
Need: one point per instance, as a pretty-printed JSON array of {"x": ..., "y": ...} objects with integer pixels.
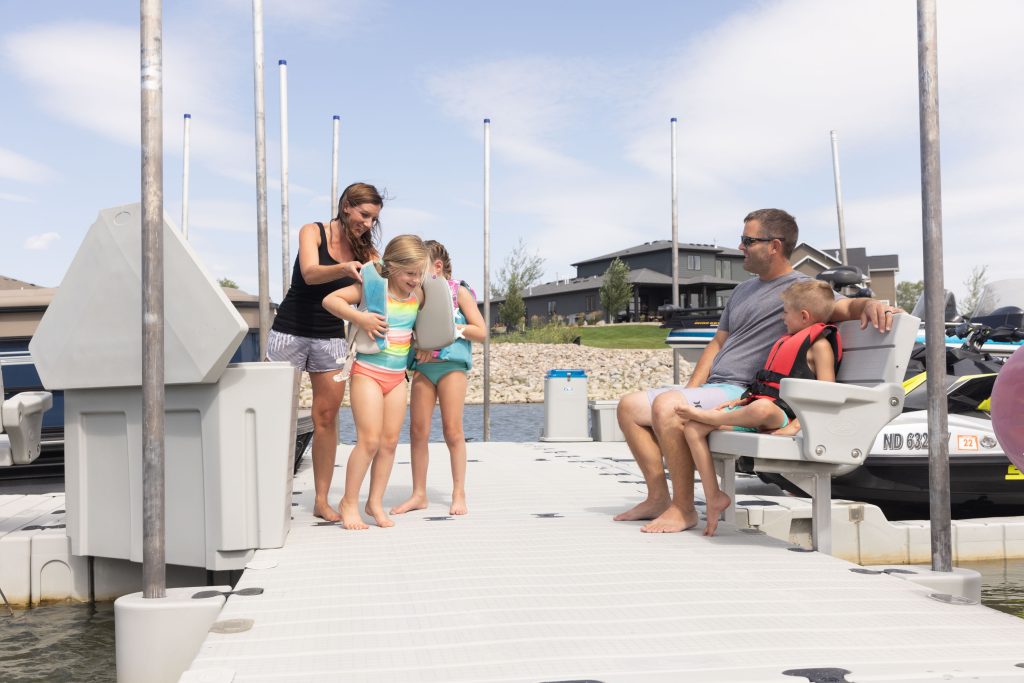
[{"x": 518, "y": 370}]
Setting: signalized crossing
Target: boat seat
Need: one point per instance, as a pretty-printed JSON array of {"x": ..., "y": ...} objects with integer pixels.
[
  {"x": 21, "y": 425},
  {"x": 838, "y": 420}
]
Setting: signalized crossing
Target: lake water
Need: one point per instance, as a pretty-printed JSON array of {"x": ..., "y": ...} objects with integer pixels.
[{"x": 75, "y": 643}]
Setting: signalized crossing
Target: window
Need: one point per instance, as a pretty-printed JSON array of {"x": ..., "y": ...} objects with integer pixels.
[
  {"x": 552, "y": 308},
  {"x": 693, "y": 261},
  {"x": 723, "y": 269},
  {"x": 589, "y": 303},
  {"x": 719, "y": 301}
]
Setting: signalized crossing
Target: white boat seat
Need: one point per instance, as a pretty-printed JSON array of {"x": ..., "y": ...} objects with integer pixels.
[
  {"x": 839, "y": 420},
  {"x": 21, "y": 425}
]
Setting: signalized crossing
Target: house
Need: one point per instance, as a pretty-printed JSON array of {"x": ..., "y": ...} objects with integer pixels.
[
  {"x": 880, "y": 271},
  {"x": 707, "y": 276}
]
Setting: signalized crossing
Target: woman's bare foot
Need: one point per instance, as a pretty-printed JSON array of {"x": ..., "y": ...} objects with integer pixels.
[
  {"x": 458, "y": 506},
  {"x": 672, "y": 520},
  {"x": 648, "y": 509},
  {"x": 350, "y": 517},
  {"x": 715, "y": 507},
  {"x": 379, "y": 516},
  {"x": 417, "y": 501},
  {"x": 324, "y": 511}
]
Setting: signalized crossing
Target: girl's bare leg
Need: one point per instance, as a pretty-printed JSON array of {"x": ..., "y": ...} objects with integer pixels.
[
  {"x": 421, "y": 411},
  {"x": 452, "y": 392},
  {"x": 696, "y": 435},
  {"x": 327, "y": 396},
  {"x": 367, "y": 412},
  {"x": 394, "y": 415}
]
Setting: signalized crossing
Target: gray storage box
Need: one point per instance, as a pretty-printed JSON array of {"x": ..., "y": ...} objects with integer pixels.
[
  {"x": 604, "y": 425},
  {"x": 565, "y": 406}
]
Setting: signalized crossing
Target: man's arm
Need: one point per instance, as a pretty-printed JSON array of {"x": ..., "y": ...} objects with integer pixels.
[
  {"x": 868, "y": 311},
  {"x": 702, "y": 370}
]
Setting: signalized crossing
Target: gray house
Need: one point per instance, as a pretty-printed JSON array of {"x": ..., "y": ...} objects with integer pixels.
[{"x": 707, "y": 274}]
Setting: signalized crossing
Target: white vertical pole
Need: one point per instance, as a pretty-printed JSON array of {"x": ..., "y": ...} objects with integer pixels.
[
  {"x": 487, "y": 279},
  {"x": 286, "y": 260},
  {"x": 839, "y": 197},
  {"x": 154, "y": 568},
  {"x": 186, "y": 149},
  {"x": 675, "y": 245},
  {"x": 261, "y": 176},
  {"x": 336, "y": 125}
]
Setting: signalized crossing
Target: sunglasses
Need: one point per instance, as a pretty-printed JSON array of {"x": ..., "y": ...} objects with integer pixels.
[{"x": 747, "y": 241}]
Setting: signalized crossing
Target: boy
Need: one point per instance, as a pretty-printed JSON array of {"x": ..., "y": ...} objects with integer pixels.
[{"x": 811, "y": 350}]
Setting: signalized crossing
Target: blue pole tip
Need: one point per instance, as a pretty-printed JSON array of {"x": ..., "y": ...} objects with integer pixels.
[
  {"x": 282, "y": 62},
  {"x": 188, "y": 116},
  {"x": 337, "y": 118},
  {"x": 674, "y": 119},
  {"x": 487, "y": 120}
]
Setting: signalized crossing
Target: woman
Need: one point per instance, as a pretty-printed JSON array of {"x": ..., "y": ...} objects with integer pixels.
[{"x": 307, "y": 336}]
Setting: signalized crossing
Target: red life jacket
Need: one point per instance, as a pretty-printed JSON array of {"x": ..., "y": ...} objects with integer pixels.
[{"x": 788, "y": 358}]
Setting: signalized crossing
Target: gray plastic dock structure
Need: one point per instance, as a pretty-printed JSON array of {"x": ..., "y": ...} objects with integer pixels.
[{"x": 229, "y": 428}]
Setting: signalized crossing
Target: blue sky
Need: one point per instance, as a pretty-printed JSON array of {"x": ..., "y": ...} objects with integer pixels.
[{"x": 580, "y": 94}]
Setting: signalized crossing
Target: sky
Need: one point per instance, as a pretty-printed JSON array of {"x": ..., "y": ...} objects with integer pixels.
[{"x": 580, "y": 94}]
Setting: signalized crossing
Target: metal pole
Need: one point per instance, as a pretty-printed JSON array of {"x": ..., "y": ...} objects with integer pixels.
[
  {"x": 286, "y": 258},
  {"x": 931, "y": 213},
  {"x": 335, "y": 129},
  {"x": 839, "y": 197},
  {"x": 675, "y": 245},
  {"x": 154, "y": 577},
  {"x": 186, "y": 147},
  {"x": 487, "y": 279},
  {"x": 261, "y": 176}
]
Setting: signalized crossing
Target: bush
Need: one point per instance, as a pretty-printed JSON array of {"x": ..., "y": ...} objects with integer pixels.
[{"x": 552, "y": 333}]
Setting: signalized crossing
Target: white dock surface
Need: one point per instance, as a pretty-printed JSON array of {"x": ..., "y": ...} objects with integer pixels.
[{"x": 537, "y": 583}]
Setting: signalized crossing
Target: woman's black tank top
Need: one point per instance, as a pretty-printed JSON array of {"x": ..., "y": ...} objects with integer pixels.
[{"x": 302, "y": 312}]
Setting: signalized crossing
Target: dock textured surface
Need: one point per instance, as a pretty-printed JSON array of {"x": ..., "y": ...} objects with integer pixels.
[{"x": 537, "y": 583}]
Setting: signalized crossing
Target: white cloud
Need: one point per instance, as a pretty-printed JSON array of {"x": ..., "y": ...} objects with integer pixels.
[
  {"x": 15, "y": 198},
  {"x": 41, "y": 242},
  {"x": 14, "y": 166}
]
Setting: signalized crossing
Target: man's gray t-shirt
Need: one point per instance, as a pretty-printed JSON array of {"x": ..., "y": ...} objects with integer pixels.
[{"x": 753, "y": 319}]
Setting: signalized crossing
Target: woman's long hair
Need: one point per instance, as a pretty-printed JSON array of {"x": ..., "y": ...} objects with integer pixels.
[{"x": 365, "y": 247}]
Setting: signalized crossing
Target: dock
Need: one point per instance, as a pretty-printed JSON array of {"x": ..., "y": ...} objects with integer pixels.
[{"x": 537, "y": 583}]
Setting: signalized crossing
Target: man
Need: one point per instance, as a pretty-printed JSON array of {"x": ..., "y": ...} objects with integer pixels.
[{"x": 751, "y": 322}]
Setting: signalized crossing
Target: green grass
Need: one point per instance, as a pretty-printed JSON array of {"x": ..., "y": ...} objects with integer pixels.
[{"x": 605, "y": 336}]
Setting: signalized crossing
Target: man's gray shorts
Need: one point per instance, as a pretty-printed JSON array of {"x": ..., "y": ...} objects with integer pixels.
[
  {"x": 306, "y": 353},
  {"x": 707, "y": 396}
]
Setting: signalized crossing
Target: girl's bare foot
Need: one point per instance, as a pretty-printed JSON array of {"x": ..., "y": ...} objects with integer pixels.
[
  {"x": 458, "y": 506},
  {"x": 672, "y": 520},
  {"x": 378, "y": 514},
  {"x": 647, "y": 509},
  {"x": 323, "y": 510},
  {"x": 417, "y": 501},
  {"x": 350, "y": 517},
  {"x": 715, "y": 507}
]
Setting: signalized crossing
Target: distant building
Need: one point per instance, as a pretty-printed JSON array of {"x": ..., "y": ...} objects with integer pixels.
[
  {"x": 707, "y": 276},
  {"x": 11, "y": 283}
]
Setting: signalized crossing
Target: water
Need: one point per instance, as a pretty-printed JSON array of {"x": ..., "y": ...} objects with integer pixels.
[{"x": 509, "y": 422}]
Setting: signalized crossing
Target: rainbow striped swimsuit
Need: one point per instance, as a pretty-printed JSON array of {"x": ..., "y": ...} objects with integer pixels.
[{"x": 401, "y": 318}]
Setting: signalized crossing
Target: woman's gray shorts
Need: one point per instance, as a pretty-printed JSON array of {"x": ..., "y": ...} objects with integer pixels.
[{"x": 306, "y": 353}]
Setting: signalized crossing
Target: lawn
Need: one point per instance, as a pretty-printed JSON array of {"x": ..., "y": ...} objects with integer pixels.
[{"x": 624, "y": 336}]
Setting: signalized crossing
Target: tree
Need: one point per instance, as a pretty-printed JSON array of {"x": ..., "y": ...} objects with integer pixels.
[
  {"x": 974, "y": 284},
  {"x": 907, "y": 294},
  {"x": 616, "y": 291},
  {"x": 513, "y": 308},
  {"x": 520, "y": 270},
  {"x": 227, "y": 282}
]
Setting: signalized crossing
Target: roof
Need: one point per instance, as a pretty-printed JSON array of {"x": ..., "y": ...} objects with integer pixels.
[
  {"x": 11, "y": 283},
  {"x": 661, "y": 245}
]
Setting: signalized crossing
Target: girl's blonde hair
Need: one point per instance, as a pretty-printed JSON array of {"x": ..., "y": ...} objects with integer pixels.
[
  {"x": 437, "y": 252},
  {"x": 402, "y": 252}
]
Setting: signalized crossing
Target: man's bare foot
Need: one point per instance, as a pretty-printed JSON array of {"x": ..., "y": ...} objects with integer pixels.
[
  {"x": 714, "y": 509},
  {"x": 379, "y": 516},
  {"x": 458, "y": 506},
  {"x": 324, "y": 511},
  {"x": 648, "y": 509},
  {"x": 417, "y": 501},
  {"x": 350, "y": 517},
  {"x": 672, "y": 520}
]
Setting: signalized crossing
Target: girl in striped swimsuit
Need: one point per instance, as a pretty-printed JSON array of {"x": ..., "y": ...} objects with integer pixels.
[{"x": 377, "y": 386}]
